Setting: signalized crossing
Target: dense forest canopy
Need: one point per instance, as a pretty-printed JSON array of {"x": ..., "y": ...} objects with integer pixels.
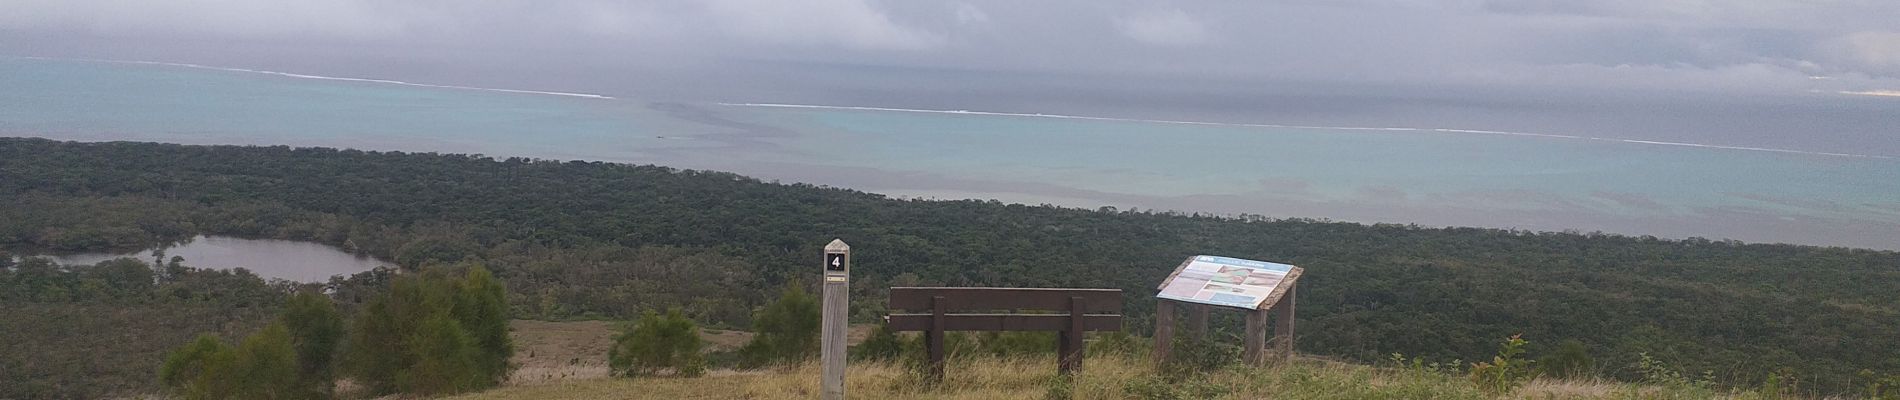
[{"x": 599, "y": 240}]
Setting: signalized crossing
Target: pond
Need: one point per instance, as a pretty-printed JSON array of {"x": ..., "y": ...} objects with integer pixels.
[{"x": 279, "y": 259}]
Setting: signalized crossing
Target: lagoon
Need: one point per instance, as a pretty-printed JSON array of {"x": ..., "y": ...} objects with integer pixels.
[{"x": 271, "y": 259}]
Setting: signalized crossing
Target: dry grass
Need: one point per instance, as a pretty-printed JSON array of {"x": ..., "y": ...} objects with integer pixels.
[
  {"x": 567, "y": 360},
  {"x": 558, "y": 351},
  {"x": 1103, "y": 377}
]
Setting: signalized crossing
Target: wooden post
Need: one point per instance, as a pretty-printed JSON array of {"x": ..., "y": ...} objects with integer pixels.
[
  {"x": 935, "y": 338},
  {"x": 1072, "y": 345},
  {"x": 1256, "y": 337},
  {"x": 1283, "y": 316},
  {"x": 837, "y": 267},
  {"x": 1164, "y": 330},
  {"x": 1197, "y": 320}
]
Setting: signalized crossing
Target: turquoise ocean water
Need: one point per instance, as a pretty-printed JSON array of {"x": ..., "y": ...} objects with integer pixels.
[{"x": 1369, "y": 175}]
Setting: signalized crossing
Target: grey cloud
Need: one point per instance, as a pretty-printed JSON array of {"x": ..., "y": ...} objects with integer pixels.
[
  {"x": 1170, "y": 27},
  {"x": 1756, "y": 46}
]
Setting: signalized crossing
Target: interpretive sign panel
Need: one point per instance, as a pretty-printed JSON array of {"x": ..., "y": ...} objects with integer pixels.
[{"x": 1225, "y": 281}]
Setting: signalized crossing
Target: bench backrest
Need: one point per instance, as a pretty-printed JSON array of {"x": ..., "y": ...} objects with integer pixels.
[{"x": 1001, "y": 309}]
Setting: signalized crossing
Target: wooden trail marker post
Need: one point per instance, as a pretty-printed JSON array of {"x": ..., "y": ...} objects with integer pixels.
[
  {"x": 1258, "y": 288},
  {"x": 837, "y": 272},
  {"x": 939, "y": 310}
]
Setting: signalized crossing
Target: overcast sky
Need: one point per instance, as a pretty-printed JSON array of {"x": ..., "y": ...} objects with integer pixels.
[
  {"x": 1769, "y": 46},
  {"x": 1806, "y": 75}
]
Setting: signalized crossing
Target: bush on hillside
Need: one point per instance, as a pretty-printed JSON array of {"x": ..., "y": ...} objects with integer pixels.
[
  {"x": 1507, "y": 370},
  {"x": 1008, "y": 344},
  {"x": 787, "y": 330},
  {"x": 431, "y": 334},
  {"x": 446, "y": 359},
  {"x": 316, "y": 330},
  {"x": 1194, "y": 356},
  {"x": 264, "y": 366},
  {"x": 482, "y": 308},
  {"x": 881, "y": 344},
  {"x": 1569, "y": 360},
  {"x": 658, "y": 343},
  {"x": 192, "y": 371},
  {"x": 1118, "y": 343}
]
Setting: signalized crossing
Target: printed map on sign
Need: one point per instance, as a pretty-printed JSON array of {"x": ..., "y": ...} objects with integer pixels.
[{"x": 1225, "y": 281}]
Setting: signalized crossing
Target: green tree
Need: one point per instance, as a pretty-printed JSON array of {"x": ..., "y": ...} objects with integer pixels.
[
  {"x": 266, "y": 366},
  {"x": 198, "y": 370},
  {"x": 378, "y": 335},
  {"x": 786, "y": 331},
  {"x": 482, "y": 308},
  {"x": 446, "y": 359},
  {"x": 413, "y": 338},
  {"x": 316, "y": 329},
  {"x": 656, "y": 343}
]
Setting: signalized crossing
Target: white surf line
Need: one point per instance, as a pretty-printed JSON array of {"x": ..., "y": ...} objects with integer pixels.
[
  {"x": 1881, "y": 93},
  {"x": 1338, "y": 128},
  {"x": 328, "y": 78}
]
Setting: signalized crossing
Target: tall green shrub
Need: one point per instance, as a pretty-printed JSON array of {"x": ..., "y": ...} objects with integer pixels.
[
  {"x": 482, "y": 309},
  {"x": 379, "y": 334},
  {"x": 264, "y": 366},
  {"x": 786, "y": 330},
  {"x": 881, "y": 345},
  {"x": 316, "y": 329},
  {"x": 432, "y": 334},
  {"x": 656, "y": 343},
  {"x": 199, "y": 370},
  {"x": 446, "y": 359},
  {"x": 267, "y": 366}
]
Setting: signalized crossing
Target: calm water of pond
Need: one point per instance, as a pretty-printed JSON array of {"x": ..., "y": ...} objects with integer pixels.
[{"x": 280, "y": 259}]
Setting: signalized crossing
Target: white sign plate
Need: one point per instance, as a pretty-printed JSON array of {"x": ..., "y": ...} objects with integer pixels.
[{"x": 1225, "y": 281}]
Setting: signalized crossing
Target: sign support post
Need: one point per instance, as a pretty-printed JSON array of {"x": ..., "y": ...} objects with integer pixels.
[
  {"x": 837, "y": 288},
  {"x": 1262, "y": 290}
]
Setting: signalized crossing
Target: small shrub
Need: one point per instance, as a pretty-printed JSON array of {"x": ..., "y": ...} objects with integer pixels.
[
  {"x": 1506, "y": 371},
  {"x": 1117, "y": 343},
  {"x": 1151, "y": 388},
  {"x": 880, "y": 345},
  {"x": 1011, "y": 344},
  {"x": 1570, "y": 360},
  {"x": 1194, "y": 356},
  {"x": 1879, "y": 387},
  {"x": 1657, "y": 373},
  {"x": 787, "y": 330},
  {"x": 658, "y": 343},
  {"x": 1419, "y": 365}
]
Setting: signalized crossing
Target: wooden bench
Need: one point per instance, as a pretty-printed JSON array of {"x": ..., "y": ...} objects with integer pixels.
[{"x": 937, "y": 310}]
